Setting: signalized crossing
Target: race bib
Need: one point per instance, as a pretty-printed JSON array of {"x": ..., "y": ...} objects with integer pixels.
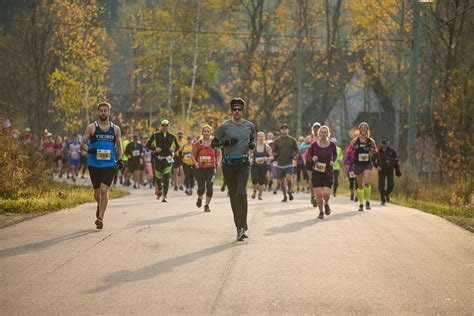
[
  {"x": 320, "y": 166},
  {"x": 364, "y": 157},
  {"x": 260, "y": 160},
  {"x": 352, "y": 174},
  {"x": 104, "y": 154},
  {"x": 169, "y": 159},
  {"x": 75, "y": 155},
  {"x": 135, "y": 153},
  {"x": 205, "y": 159}
]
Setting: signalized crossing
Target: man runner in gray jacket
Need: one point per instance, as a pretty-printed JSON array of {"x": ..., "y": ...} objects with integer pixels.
[{"x": 237, "y": 136}]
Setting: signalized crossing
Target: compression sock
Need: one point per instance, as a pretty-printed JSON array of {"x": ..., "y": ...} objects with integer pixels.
[
  {"x": 360, "y": 193},
  {"x": 367, "y": 193}
]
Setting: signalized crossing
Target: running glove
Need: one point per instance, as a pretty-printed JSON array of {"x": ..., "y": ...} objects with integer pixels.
[
  {"x": 92, "y": 151},
  {"x": 120, "y": 164},
  {"x": 398, "y": 173}
]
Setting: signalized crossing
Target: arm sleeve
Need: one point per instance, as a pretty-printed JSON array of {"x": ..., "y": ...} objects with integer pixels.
[
  {"x": 149, "y": 144},
  {"x": 252, "y": 133}
]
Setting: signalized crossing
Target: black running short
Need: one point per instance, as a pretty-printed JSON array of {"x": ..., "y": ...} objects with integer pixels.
[
  {"x": 101, "y": 175},
  {"x": 359, "y": 168},
  {"x": 259, "y": 174},
  {"x": 322, "y": 179}
]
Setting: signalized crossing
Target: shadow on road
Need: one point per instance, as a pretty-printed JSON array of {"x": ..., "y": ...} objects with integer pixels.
[
  {"x": 285, "y": 212},
  {"x": 162, "y": 220},
  {"x": 153, "y": 270},
  {"x": 37, "y": 246},
  {"x": 294, "y": 227}
]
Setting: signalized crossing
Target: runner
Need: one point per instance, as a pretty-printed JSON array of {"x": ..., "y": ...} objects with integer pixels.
[
  {"x": 285, "y": 150},
  {"x": 270, "y": 169},
  {"x": 301, "y": 174},
  {"x": 206, "y": 160},
  {"x": 349, "y": 161},
  {"x": 323, "y": 153},
  {"x": 178, "y": 170},
  {"x": 74, "y": 156},
  {"x": 101, "y": 140},
  {"x": 363, "y": 146},
  {"x": 309, "y": 162},
  {"x": 237, "y": 136},
  {"x": 258, "y": 168},
  {"x": 163, "y": 144},
  {"x": 64, "y": 165},
  {"x": 124, "y": 173},
  {"x": 148, "y": 166},
  {"x": 188, "y": 165},
  {"x": 58, "y": 148},
  {"x": 337, "y": 165},
  {"x": 134, "y": 152},
  {"x": 386, "y": 161}
]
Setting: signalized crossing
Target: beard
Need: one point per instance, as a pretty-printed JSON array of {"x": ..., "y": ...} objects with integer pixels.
[{"x": 103, "y": 117}]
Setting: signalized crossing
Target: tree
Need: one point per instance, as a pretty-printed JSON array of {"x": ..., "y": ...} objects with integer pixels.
[{"x": 78, "y": 81}]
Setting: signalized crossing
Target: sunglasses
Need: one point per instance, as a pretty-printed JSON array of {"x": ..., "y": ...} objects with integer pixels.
[{"x": 236, "y": 110}]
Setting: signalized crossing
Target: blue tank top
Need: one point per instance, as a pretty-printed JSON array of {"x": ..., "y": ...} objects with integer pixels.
[{"x": 105, "y": 144}]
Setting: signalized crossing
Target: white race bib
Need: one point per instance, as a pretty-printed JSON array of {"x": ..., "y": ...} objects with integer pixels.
[
  {"x": 364, "y": 157},
  {"x": 74, "y": 155},
  {"x": 260, "y": 160},
  {"x": 170, "y": 159},
  {"x": 135, "y": 153},
  {"x": 352, "y": 174},
  {"x": 104, "y": 154},
  {"x": 320, "y": 166},
  {"x": 205, "y": 159}
]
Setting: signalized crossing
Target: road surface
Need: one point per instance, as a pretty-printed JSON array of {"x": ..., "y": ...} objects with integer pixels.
[{"x": 154, "y": 258}]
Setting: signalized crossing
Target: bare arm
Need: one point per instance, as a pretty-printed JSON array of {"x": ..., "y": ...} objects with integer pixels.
[
  {"x": 118, "y": 143},
  {"x": 269, "y": 152}
]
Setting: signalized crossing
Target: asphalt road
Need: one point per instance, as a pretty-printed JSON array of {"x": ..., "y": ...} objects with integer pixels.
[{"x": 154, "y": 258}]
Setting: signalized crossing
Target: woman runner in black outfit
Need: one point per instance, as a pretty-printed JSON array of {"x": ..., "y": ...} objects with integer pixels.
[{"x": 258, "y": 170}]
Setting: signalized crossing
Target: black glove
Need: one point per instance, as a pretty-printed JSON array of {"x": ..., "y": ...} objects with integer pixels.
[
  {"x": 398, "y": 173},
  {"x": 120, "y": 164},
  {"x": 251, "y": 145},
  {"x": 92, "y": 151}
]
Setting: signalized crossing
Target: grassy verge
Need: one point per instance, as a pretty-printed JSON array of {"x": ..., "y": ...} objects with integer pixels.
[{"x": 55, "y": 197}]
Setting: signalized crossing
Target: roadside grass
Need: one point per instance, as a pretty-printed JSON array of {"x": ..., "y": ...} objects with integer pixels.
[{"x": 53, "y": 197}]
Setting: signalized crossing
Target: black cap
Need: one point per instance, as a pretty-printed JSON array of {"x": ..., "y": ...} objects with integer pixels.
[
  {"x": 385, "y": 140},
  {"x": 284, "y": 125},
  {"x": 237, "y": 103}
]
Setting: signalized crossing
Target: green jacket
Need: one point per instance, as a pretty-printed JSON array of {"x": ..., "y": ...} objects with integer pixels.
[{"x": 340, "y": 157}]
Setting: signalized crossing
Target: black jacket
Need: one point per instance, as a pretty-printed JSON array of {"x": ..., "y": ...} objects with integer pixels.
[{"x": 387, "y": 159}]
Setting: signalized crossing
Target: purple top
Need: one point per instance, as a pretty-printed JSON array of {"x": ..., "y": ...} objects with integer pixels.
[
  {"x": 349, "y": 161},
  {"x": 325, "y": 156}
]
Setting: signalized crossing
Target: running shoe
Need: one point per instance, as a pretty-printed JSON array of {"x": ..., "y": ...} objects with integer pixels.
[
  {"x": 240, "y": 234},
  {"x": 134, "y": 186},
  {"x": 313, "y": 201},
  {"x": 164, "y": 199},
  {"x": 367, "y": 205},
  {"x": 254, "y": 194},
  {"x": 327, "y": 209},
  {"x": 321, "y": 215},
  {"x": 274, "y": 192},
  {"x": 382, "y": 203},
  {"x": 352, "y": 196},
  {"x": 284, "y": 199},
  {"x": 99, "y": 223},
  {"x": 199, "y": 202},
  {"x": 260, "y": 197},
  {"x": 176, "y": 188},
  {"x": 222, "y": 188},
  {"x": 206, "y": 208},
  {"x": 158, "y": 194},
  {"x": 290, "y": 196},
  {"x": 361, "y": 207},
  {"x": 387, "y": 198}
]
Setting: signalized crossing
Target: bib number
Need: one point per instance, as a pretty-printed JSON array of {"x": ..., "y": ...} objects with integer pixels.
[
  {"x": 352, "y": 174},
  {"x": 260, "y": 160},
  {"x": 364, "y": 157},
  {"x": 135, "y": 153},
  {"x": 170, "y": 159},
  {"x": 75, "y": 155},
  {"x": 205, "y": 159},
  {"x": 104, "y": 154},
  {"x": 320, "y": 166}
]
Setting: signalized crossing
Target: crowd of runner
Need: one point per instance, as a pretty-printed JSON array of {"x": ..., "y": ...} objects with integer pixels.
[{"x": 307, "y": 164}]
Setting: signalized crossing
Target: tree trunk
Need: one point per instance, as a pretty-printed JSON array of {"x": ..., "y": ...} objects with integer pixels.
[{"x": 195, "y": 61}]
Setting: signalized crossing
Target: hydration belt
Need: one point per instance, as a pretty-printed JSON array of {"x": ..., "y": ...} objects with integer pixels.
[{"x": 235, "y": 160}]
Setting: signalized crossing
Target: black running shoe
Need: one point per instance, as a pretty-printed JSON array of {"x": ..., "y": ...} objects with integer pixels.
[
  {"x": 164, "y": 199},
  {"x": 240, "y": 234},
  {"x": 284, "y": 199},
  {"x": 206, "y": 208},
  {"x": 199, "y": 202},
  {"x": 361, "y": 207},
  {"x": 176, "y": 188},
  {"x": 290, "y": 196},
  {"x": 99, "y": 223},
  {"x": 367, "y": 205},
  {"x": 387, "y": 198}
]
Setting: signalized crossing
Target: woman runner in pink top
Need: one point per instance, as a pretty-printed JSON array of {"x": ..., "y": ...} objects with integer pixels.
[{"x": 323, "y": 153}]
